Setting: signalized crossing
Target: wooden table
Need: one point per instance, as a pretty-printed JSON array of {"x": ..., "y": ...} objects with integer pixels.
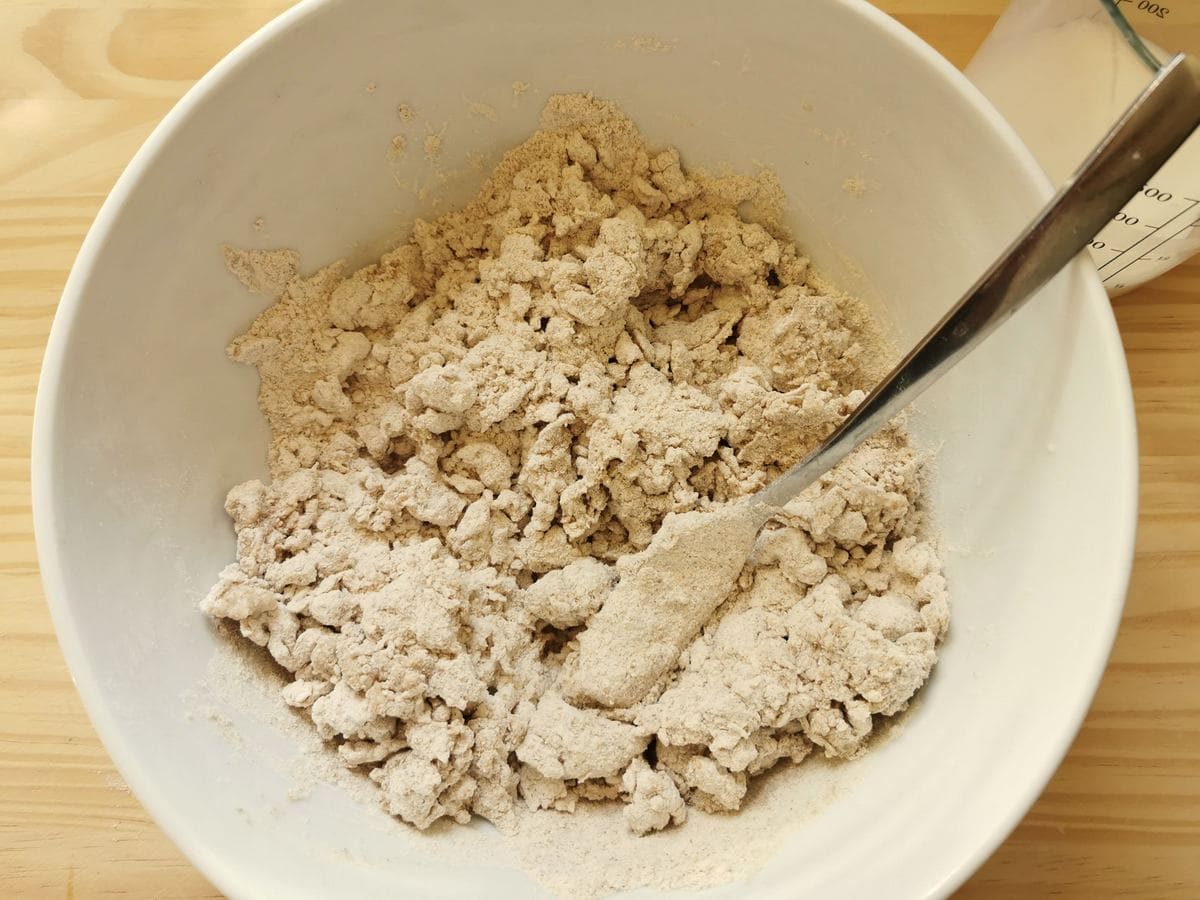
[{"x": 81, "y": 86}]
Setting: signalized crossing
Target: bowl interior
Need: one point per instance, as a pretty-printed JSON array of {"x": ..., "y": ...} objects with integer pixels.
[{"x": 143, "y": 424}]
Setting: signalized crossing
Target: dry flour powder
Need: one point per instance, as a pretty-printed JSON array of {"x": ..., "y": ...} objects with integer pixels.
[{"x": 483, "y": 448}]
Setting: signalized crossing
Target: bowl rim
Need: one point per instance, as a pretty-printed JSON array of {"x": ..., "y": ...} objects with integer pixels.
[{"x": 226, "y": 876}]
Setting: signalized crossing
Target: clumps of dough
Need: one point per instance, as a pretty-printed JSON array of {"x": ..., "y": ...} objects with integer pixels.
[
  {"x": 488, "y": 451},
  {"x": 574, "y": 744},
  {"x": 568, "y": 597}
]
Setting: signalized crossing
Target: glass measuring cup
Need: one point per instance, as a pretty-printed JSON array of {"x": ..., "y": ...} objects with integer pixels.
[{"x": 1061, "y": 72}]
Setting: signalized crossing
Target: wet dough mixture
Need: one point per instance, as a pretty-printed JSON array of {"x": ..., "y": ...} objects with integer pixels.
[{"x": 483, "y": 447}]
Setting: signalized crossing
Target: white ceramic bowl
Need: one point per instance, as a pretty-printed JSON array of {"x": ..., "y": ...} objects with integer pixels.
[{"x": 142, "y": 424}]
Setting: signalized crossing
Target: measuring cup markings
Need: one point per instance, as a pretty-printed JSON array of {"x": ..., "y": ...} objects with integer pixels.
[
  {"x": 1129, "y": 249},
  {"x": 1061, "y": 71},
  {"x": 1128, "y": 220},
  {"x": 1155, "y": 9}
]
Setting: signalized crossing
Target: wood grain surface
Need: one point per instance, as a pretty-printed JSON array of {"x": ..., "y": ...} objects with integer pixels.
[{"x": 81, "y": 85}]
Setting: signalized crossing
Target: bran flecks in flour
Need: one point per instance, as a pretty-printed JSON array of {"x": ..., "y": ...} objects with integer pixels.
[{"x": 482, "y": 448}]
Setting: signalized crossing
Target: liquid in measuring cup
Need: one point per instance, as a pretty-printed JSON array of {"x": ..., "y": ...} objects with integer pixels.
[{"x": 1062, "y": 72}]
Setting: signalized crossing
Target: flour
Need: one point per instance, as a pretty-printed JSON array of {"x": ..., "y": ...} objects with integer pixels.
[{"x": 484, "y": 448}]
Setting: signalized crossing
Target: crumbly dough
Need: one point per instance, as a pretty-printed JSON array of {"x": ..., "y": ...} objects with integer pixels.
[{"x": 485, "y": 447}]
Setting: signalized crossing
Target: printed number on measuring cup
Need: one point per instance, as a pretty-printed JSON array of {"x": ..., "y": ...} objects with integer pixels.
[
  {"x": 1156, "y": 194},
  {"x": 1155, "y": 9},
  {"x": 1126, "y": 218}
]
